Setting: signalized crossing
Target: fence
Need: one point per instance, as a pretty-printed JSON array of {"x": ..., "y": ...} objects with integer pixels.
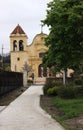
[{"x": 10, "y": 81}]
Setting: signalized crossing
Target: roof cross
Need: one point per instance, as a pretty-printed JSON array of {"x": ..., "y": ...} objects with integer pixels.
[{"x": 41, "y": 27}]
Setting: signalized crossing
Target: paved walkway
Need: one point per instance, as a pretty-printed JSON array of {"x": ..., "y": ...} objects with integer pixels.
[{"x": 25, "y": 113}]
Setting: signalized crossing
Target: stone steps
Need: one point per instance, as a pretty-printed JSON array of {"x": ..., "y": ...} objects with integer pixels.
[{"x": 40, "y": 80}]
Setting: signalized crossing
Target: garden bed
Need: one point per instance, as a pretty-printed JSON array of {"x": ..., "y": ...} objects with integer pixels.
[{"x": 75, "y": 123}]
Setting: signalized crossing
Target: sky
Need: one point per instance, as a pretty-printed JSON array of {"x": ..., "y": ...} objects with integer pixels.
[{"x": 27, "y": 13}]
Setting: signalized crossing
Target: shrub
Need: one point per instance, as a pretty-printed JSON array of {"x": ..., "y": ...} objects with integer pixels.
[
  {"x": 79, "y": 91},
  {"x": 52, "y": 91},
  {"x": 67, "y": 92},
  {"x": 30, "y": 81},
  {"x": 78, "y": 82},
  {"x": 47, "y": 86}
]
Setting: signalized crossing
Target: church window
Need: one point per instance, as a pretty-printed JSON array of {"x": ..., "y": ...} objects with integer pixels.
[
  {"x": 42, "y": 38},
  {"x": 21, "y": 46},
  {"x": 15, "y": 45},
  {"x": 18, "y": 59},
  {"x": 41, "y": 55}
]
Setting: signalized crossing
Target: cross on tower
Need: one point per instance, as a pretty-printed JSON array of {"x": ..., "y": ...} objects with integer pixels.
[{"x": 41, "y": 27}]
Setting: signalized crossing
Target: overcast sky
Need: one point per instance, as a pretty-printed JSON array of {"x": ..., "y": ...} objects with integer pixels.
[{"x": 26, "y": 13}]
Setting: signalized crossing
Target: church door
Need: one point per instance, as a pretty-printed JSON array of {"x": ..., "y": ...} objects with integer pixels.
[{"x": 42, "y": 72}]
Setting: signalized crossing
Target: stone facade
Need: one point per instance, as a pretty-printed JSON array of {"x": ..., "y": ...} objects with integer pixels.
[{"x": 22, "y": 53}]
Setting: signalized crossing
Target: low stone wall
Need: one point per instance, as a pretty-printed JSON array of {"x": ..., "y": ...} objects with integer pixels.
[{"x": 58, "y": 80}]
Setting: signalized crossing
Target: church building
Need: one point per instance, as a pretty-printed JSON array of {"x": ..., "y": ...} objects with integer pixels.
[
  {"x": 25, "y": 55},
  {"x": 22, "y": 53}
]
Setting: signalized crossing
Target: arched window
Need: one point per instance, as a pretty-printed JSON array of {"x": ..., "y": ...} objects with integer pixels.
[
  {"x": 15, "y": 45},
  {"x": 41, "y": 54},
  {"x": 21, "y": 46}
]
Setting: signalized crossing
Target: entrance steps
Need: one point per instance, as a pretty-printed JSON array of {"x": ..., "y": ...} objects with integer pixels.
[{"x": 40, "y": 80}]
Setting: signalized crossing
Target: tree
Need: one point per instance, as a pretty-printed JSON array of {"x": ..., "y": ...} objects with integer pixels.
[
  {"x": 5, "y": 62},
  {"x": 26, "y": 67},
  {"x": 65, "y": 40}
]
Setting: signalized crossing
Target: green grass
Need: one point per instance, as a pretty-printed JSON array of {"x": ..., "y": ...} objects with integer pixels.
[{"x": 70, "y": 107}]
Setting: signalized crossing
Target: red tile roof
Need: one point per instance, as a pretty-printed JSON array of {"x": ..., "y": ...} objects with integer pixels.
[{"x": 18, "y": 29}]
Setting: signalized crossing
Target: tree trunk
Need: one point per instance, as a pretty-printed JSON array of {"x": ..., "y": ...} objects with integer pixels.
[{"x": 64, "y": 77}]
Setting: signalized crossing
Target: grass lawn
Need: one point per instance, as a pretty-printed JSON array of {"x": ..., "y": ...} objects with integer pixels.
[{"x": 70, "y": 107}]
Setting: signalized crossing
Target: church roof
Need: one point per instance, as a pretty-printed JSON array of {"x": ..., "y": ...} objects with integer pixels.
[{"x": 18, "y": 29}]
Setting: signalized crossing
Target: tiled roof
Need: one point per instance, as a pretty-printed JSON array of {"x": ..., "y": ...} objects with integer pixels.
[{"x": 18, "y": 29}]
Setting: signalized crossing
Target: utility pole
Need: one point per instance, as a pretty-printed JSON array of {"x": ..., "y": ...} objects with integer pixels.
[{"x": 2, "y": 56}]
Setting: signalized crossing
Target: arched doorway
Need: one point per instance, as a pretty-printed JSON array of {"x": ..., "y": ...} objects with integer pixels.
[{"x": 42, "y": 72}]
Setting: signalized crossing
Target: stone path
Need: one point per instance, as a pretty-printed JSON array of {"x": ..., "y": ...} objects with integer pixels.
[
  {"x": 25, "y": 113},
  {"x": 2, "y": 108}
]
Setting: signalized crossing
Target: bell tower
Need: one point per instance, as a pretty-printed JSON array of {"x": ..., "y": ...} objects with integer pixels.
[{"x": 18, "y": 48}]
